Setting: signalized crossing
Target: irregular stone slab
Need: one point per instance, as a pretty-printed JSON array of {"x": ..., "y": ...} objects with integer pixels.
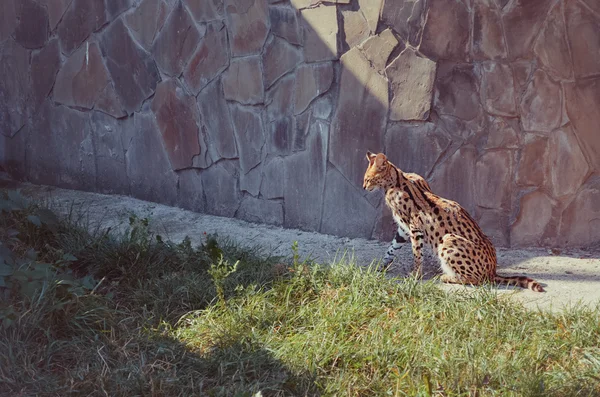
[
  {"x": 217, "y": 122},
  {"x": 116, "y": 7},
  {"x": 411, "y": 81},
  {"x": 243, "y": 81},
  {"x": 551, "y": 47},
  {"x": 414, "y": 147},
  {"x": 177, "y": 118},
  {"x": 32, "y": 30},
  {"x": 533, "y": 165},
  {"x": 82, "y": 78},
  {"x": 81, "y": 19},
  {"x": 568, "y": 165},
  {"x": 300, "y": 131},
  {"x": 125, "y": 59},
  {"x": 109, "y": 102},
  {"x": 356, "y": 28},
  {"x": 456, "y": 91},
  {"x": 280, "y": 98},
  {"x": 146, "y": 20},
  {"x": 301, "y": 4},
  {"x": 488, "y": 37},
  {"x": 279, "y": 58},
  {"x": 176, "y": 41},
  {"x": 107, "y": 135},
  {"x": 533, "y": 221},
  {"x": 150, "y": 174},
  {"x": 284, "y": 23},
  {"x": 378, "y": 48},
  {"x": 585, "y": 52},
  {"x": 191, "y": 191},
  {"x": 56, "y": 10},
  {"x": 446, "y": 31},
  {"x": 320, "y": 34},
  {"x": 8, "y": 18},
  {"x": 453, "y": 178},
  {"x": 522, "y": 21},
  {"x": 312, "y": 80},
  {"x": 407, "y": 17},
  {"x": 261, "y": 211},
  {"x": 303, "y": 205},
  {"x": 44, "y": 67},
  {"x": 322, "y": 107},
  {"x": 494, "y": 224},
  {"x": 341, "y": 199},
  {"x": 359, "y": 121},
  {"x": 209, "y": 59},
  {"x": 541, "y": 105},
  {"x": 523, "y": 73},
  {"x": 247, "y": 24},
  {"x": 205, "y": 10},
  {"x": 272, "y": 180},
  {"x": 497, "y": 89},
  {"x": 371, "y": 10},
  {"x": 60, "y": 149},
  {"x": 13, "y": 154},
  {"x": 580, "y": 221},
  {"x": 583, "y": 102},
  {"x": 493, "y": 179},
  {"x": 502, "y": 133},
  {"x": 279, "y": 136},
  {"x": 221, "y": 189},
  {"x": 250, "y": 182},
  {"x": 248, "y": 135},
  {"x": 15, "y": 87}
]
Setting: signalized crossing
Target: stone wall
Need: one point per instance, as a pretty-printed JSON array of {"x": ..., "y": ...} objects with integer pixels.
[{"x": 263, "y": 109}]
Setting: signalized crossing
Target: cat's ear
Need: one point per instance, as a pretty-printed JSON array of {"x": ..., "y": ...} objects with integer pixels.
[
  {"x": 380, "y": 159},
  {"x": 370, "y": 156}
]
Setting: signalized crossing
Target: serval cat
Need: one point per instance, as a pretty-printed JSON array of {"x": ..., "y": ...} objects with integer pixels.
[{"x": 466, "y": 254}]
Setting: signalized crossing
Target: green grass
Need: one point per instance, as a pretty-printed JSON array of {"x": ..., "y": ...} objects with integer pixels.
[{"x": 132, "y": 315}]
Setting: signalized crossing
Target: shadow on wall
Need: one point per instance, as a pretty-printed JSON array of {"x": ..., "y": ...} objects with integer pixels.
[{"x": 263, "y": 110}]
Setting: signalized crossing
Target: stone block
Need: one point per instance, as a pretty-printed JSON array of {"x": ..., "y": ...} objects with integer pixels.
[
  {"x": 320, "y": 27},
  {"x": 411, "y": 81},
  {"x": 280, "y": 136},
  {"x": 523, "y": 21},
  {"x": 8, "y": 18},
  {"x": 371, "y": 10},
  {"x": 279, "y": 58},
  {"x": 176, "y": 41},
  {"x": 360, "y": 118},
  {"x": 115, "y": 7},
  {"x": 488, "y": 35},
  {"x": 580, "y": 221},
  {"x": 217, "y": 121},
  {"x": 191, "y": 192},
  {"x": 551, "y": 47},
  {"x": 32, "y": 30},
  {"x": 446, "y": 31},
  {"x": 13, "y": 154},
  {"x": 261, "y": 211},
  {"x": 456, "y": 91},
  {"x": 44, "y": 67},
  {"x": 533, "y": 164},
  {"x": 304, "y": 181},
  {"x": 583, "y": 102},
  {"x": 494, "y": 224},
  {"x": 56, "y": 10},
  {"x": 178, "y": 119},
  {"x": 243, "y": 81},
  {"x": 407, "y": 17},
  {"x": 272, "y": 179},
  {"x": 206, "y": 10},
  {"x": 300, "y": 131},
  {"x": 494, "y": 173},
  {"x": 247, "y": 21},
  {"x": 250, "y": 182},
  {"x": 280, "y": 98},
  {"x": 534, "y": 220},
  {"x": 378, "y": 49},
  {"x": 568, "y": 166},
  {"x": 109, "y": 102},
  {"x": 249, "y": 136},
  {"x": 541, "y": 105},
  {"x": 584, "y": 39},
  {"x": 125, "y": 59},
  {"x": 221, "y": 189},
  {"x": 356, "y": 28},
  {"x": 209, "y": 60},
  {"x": 82, "y": 78},
  {"x": 284, "y": 24},
  {"x": 502, "y": 133},
  {"x": 81, "y": 19},
  {"x": 414, "y": 147},
  {"x": 150, "y": 174},
  {"x": 497, "y": 89},
  {"x": 346, "y": 212},
  {"x": 147, "y": 20},
  {"x": 312, "y": 80},
  {"x": 15, "y": 87}
]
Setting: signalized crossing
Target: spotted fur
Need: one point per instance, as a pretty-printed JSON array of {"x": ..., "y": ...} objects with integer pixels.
[{"x": 466, "y": 254}]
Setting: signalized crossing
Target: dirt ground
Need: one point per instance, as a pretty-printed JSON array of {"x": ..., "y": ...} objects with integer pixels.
[{"x": 570, "y": 277}]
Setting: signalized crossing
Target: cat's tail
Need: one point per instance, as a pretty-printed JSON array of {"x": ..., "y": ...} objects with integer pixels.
[{"x": 520, "y": 281}]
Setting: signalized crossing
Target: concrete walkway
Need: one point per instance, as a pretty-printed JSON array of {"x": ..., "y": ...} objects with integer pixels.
[{"x": 570, "y": 277}]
